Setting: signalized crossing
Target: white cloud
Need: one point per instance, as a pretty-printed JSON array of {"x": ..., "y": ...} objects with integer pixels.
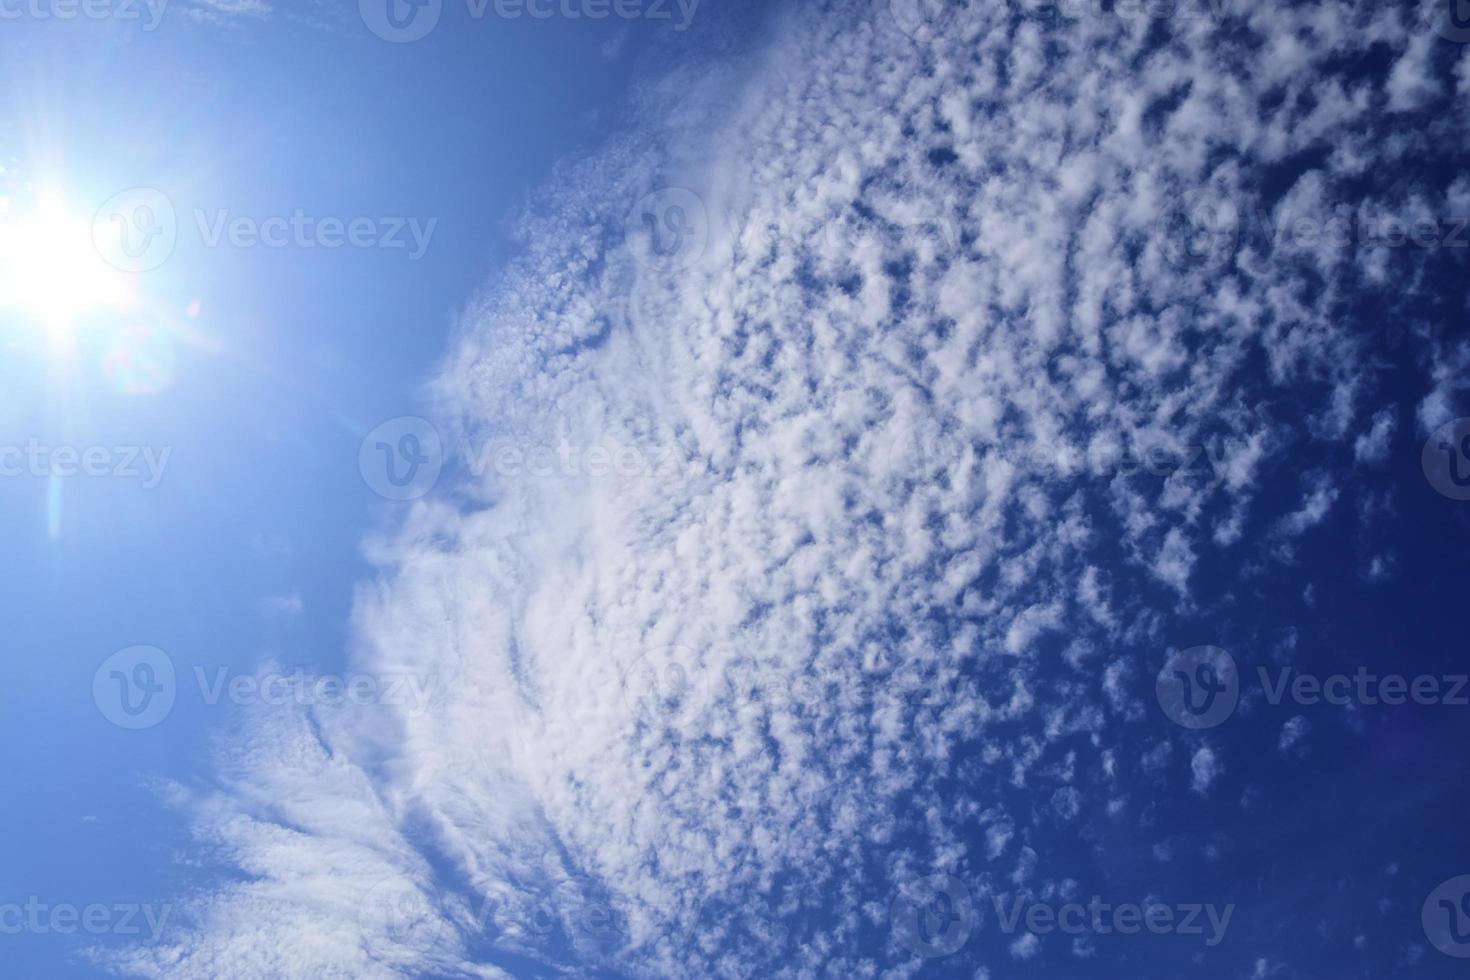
[
  {"x": 1292, "y": 733},
  {"x": 1411, "y": 83},
  {"x": 1206, "y": 768},
  {"x": 1372, "y": 446},
  {"x": 1315, "y": 505},
  {"x": 672, "y": 690},
  {"x": 219, "y": 10},
  {"x": 283, "y": 605},
  {"x": 1026, "y": 947},
  {"x": 612, "y": 48}
]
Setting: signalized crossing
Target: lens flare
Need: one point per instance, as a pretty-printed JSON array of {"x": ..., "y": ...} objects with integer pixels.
[{"x": 140, "y": 360}]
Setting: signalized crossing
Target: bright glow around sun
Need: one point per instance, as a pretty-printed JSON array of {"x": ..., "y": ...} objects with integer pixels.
[{"x": 50, "y": 269}]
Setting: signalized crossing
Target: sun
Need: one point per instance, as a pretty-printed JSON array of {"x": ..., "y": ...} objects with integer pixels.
[{"x": 50, "y": 271}]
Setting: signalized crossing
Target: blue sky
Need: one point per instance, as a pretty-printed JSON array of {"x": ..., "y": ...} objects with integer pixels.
[{"x": 863, "y": 489}]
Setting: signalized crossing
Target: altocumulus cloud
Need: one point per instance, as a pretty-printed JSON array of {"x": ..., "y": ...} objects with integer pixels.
[{"x": 856, "y": 635}]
